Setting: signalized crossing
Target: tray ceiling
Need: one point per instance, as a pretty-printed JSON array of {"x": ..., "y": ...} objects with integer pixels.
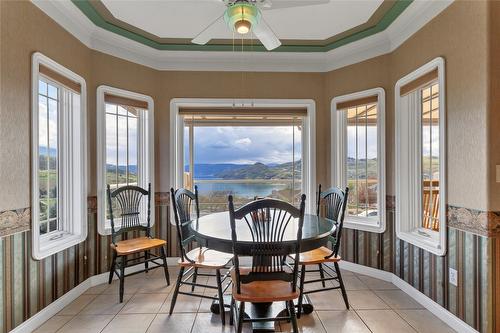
[{"x": 171, "y": 24}]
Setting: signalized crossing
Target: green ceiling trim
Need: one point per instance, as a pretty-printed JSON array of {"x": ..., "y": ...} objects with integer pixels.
[{"x": 393, "y": 13}]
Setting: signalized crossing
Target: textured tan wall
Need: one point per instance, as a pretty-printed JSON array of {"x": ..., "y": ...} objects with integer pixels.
[
  {"x": 464, "y": 48},
  {"x": 25, "y": 29},
  {"x": 459, "y": 34},
  {"x": 368, "y": 74}
]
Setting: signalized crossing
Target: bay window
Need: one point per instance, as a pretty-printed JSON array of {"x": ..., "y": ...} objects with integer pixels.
[
  {"x": 358, "y": 156},
  {"x": 125, "y": 146},
  {"x": 420, "y": 158},
  {"x": 247, "y": 148},
  {"x": 59, "y": 170}
]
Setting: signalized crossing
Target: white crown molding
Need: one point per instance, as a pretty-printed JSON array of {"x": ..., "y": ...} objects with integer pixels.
[{"x": 410, "y": 21}]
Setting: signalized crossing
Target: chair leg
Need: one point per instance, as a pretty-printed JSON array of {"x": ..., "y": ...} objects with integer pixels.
[
  {"x": 301, "y": 287},
  {"x": 293, "y": 317},
  {"x": 342, "y": 287},
  {"x": 195, "y": 277},
  {"x": 221, "y": 297},
  {"x": 176, "y": 291},
  {"x": 165, "y": 266},
  {"x": 231, "y": 312},
  {"x": 322, "y": 275},
  {"x": 112, "y": 268},
  {"x": 241, "y": 315},
  {"x": 122, "y": 277},
  {"x": 146, "y": 263}
]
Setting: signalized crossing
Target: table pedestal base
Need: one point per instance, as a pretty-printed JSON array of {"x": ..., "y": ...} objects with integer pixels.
[{"x": 262, "y": 310}]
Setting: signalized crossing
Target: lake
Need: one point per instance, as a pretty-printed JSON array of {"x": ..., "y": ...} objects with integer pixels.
[{"x": 241, "y": 188}]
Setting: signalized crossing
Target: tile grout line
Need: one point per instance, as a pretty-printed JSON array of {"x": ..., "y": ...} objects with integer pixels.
[{"x": 362, "y": 320}]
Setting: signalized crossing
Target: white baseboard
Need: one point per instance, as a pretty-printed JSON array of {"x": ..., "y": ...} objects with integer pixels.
[
  {"x": 446, "y": 316},
  {"x": 53, "y": 308}
]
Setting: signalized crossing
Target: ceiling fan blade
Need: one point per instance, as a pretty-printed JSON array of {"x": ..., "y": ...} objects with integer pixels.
[
  {"x": 266, "y": 35},
  {"x": 279, "y": 4},
  {"x": 206, "y": 34}
]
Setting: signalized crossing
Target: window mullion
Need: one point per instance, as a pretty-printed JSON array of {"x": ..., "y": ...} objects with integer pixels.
[
  {"x": 117, "y": 149},
  {"x": 127, "y": 151},
  {"x": 366, "y": 162}
]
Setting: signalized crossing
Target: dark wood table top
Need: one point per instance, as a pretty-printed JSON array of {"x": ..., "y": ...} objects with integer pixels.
[{"x": 214, "y": 231}]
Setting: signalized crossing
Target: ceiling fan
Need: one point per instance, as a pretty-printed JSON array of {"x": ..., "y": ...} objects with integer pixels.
[{"x": 243, "y": 16}]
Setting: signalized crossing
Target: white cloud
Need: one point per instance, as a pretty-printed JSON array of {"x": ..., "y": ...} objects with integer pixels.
[{"x": 243, "y": 142}]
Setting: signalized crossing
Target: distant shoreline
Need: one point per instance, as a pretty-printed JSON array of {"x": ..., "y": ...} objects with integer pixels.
[{"x": 245, "y": 181}]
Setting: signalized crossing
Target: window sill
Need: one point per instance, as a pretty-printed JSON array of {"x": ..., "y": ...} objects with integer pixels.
[
  {"x": 364, "y": 224},
  {"x": 425, "y": 239},
  {"x": 49, "y": 245}
]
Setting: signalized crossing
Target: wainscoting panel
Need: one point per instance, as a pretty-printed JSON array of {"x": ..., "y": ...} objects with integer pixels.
[
  {"x": 471, "y": 255},
  {"x": 27, "y": 286}
]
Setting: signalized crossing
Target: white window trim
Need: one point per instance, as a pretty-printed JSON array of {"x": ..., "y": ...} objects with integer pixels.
[
  {"x": 339, "y": 153},
  {"x": 434, "y": 242},
  {"x": 75, "y": 218},
  {"x": 308, "y": 136},
  {"x": 102, "y": 226}
]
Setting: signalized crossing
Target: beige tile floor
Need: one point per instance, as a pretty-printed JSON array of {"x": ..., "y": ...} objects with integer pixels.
[{"x": 376, "y": 306}]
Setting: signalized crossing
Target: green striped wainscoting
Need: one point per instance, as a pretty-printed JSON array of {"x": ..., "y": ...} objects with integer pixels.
[
  {"x": 469, "y": 254},
  {"x": 28, "y": 285}
]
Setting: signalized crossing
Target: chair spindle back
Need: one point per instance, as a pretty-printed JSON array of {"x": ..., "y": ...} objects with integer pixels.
[
  {"x": 267, "y": 220},
  {"x": 130, "y": 202},
  {"x": 182, "y": 204},
  {"x": 335, "y": 203}
]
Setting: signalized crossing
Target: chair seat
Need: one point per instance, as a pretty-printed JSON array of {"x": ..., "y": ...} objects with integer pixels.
[
  {"x": 206, "y": 258},
  {"x": 263, "y": 291},
  {"x": 317, "y": 256},
  {"x": 129, "y": 246}
]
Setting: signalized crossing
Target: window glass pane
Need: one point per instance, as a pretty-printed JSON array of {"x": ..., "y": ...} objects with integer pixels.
[
  {"x": 122, "y": 147},
  {"x": 362, "y": 160},
  {"x": 52, "y": 91},
  {"x": 187, "y": 179},
  {"x": 246, "y": 161},
  {"x": 48, "y": 156},
  {"x": 122, "y": 150},
  {"x": 430, "y": 156},
  {"x": 132, "y": 151},
  {"x": 111, "y": 150},
  {"x": 42, "y": 88},
  {"x": 121, "y": 110}
]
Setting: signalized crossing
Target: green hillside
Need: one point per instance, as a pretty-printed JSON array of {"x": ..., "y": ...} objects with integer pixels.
[{"x": 262, "y": 171}]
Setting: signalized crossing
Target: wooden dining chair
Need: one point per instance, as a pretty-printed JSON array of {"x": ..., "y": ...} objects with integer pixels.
[
  {"x": 335, "y": 202},
  {"x": 199, "y": 258},
  {"x": 270, "y": 278},
  {"x": 126, "y": 218}
]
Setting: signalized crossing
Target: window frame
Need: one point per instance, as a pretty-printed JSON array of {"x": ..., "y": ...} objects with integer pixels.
[
  {"x": 339, "y": 153},
  {"x": 103, "y": 227},
  {"x": 72, "y": 190},
  {"x": 308, "y": 136},
  {"x": 406, "y": 228}
]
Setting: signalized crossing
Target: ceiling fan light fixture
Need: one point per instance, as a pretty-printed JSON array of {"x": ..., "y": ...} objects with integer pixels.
[
  {"x": 243, "y": 27},
  {"x": 241, "y": 17}
]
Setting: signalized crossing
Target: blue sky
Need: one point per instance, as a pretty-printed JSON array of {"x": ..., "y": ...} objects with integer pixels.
[{"x": 245, "y": 145}]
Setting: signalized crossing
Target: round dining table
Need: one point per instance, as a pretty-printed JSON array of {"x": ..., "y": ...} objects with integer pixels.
[{"x": 214, "y": 232}]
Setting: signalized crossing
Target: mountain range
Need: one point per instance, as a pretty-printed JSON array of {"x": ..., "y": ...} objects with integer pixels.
[{"x": 246, "y": 171}]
